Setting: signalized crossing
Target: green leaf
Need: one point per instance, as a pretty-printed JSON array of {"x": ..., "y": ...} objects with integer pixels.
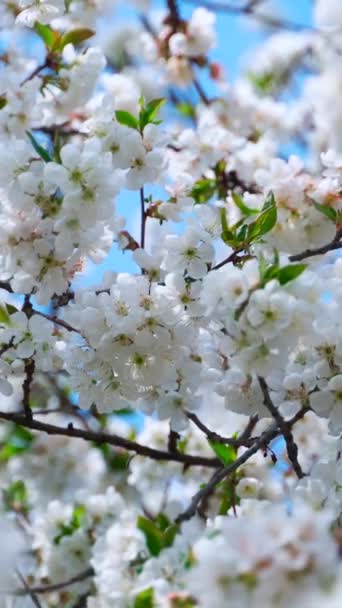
[
  {"x": 159, "y": 533},
  {"x": 49, "y": 36},
  {"x": 186, "y": 109},
  {"x": 145, "y": 599},
  {"x": 226, "y": 453},
  {"x": 265, "y": 221},
  {"x": 329, "y": 212},
  {"x": 169, "y": 535},
  {"x": 78, "y": 519},
  {"x": 127, "y": 119},
  {"x": 116, "y": 460},
  {"x": 289, "y": 273},
  {"x": 203, "y": 190},
  {"x": 228, "y": 496},
  {"x": 227, "y": 235},
  {"x": 183, "y": 602},
  {"x": 39, "y": 149},
  {"x": 75, "y": 37},
  {"x": 238, "y": 200},
  {"x": 67, "y": 4},
  {"x": 15, "y": 497},
  {"x": 149, "y": 113},
  {"x": 5, "y": 319},
  {"x": 3, "y": 101},
  {"x": 242, "y": 234},
  {"x": 18, "y": 440},
  {"x": 153, "y": 536},
  {"x": 264, "y": 83}
]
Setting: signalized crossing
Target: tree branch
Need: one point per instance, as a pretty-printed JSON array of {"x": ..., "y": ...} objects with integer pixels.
[
  {"x": 143, "y": 218},
  {"x": 336, "y": 243},
  {"x": 39, "y": 589},
  {"x": 261, "y": 442},
  {"x": 29, "y": 372},
  {"x": 291, "y": 446},
  {"x": 248, "y": 10},
  {"x": 224, "y": 472},
  {"x": 57, "y": 321},
  {"x": 106, "y": 438},
  {"x": 212, "y": 436}
]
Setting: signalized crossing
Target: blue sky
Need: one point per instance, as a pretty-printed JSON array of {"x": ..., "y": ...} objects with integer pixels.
[{"x": 236, "y": 38}]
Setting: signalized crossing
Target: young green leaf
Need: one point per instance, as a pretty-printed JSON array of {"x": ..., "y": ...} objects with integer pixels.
[
  {"x": 263, "y": 83},
  {"x": 186, "y": 109},
  {"x": 226, "y": 453},
  {"x": 227, "y": 235},
  {"x": 127, "y": 119},
  {"x": 77, "y": 521},
  {"x": 49, "y": 36},
  {"x": 44, "y": 154},
  {"x": 289, "y": 273},
  {"x": 3, "y": 101},
  {"x": 5, "y": 319},
  {"x": 74, "y": 37},
  {"x": 265, "y": 222},
  {"x": 145, "y": 599},
  {"x": 159, "y": 533},
  {"x": 148, "y": 113},
  {"x": 17, "y": 441},
  {"x": 238, "y": 200},
  {"x": 203, "y": 190},
  {"x": 15, "y": 497},
  {"x": 329, "y": 212},
  {"x": 153, "y": 536}
]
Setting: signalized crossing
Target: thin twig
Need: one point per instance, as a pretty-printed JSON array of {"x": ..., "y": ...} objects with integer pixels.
[
  {"x": 232, "y": 258},
  {"x": 172, "y": 441},
  {"x": 143, "y": 218},
  {"x": 224, "y": 472},
  {"x": 29, "y": 373},
  {"x": 269, "y": 20},
  {"x": 336, "y": 243},
  {"x": 57, "y": 321},
  {"x": 291, "y": 446},
  {"x": 35, "y": 72},
  {"x": 28, "y": 590},
  {"x": 211, "y": 435},
  {"x": 40, "y": 589},
  {"x": 261, "y": 442},
  {"x": 203, "y": 96}
]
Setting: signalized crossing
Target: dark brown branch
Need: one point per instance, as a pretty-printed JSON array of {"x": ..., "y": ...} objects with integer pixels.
[
  {"x": 336, "y": 243},
  {"x": 40, "y": 589},
  {"x": 28, "y": 590},
  {"x": 6, "y": 285},
  {"x": 202, "y": 95},
  {"x": 60, "y": 129},
  {"x": 174, "y": 18},
  {"x": 248, "y": 10},
  {"x": 29, "y": 372},
  {"x": 291, "y": 446},
  {"x": 232, "y": 258},
  {"x": 106, "y": 438},
  {"x": 212, "y": 436},
  {"x": 35, "y": 72},
  {"x": 172, "y": 441},
  {"x": 57, "y": 321},
  {"x": 253, "y": 420},
  {"x": 261, "y": 443},
  {"x": 142, "y": 218}
]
